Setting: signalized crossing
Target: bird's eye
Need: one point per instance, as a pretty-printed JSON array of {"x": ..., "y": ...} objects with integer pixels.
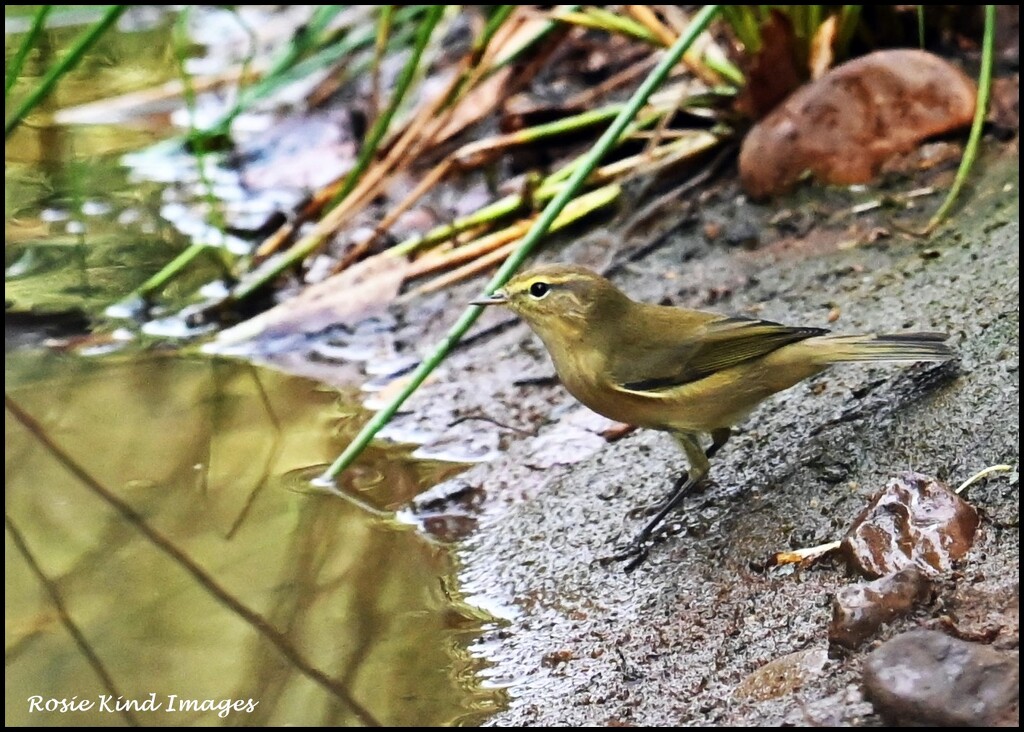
[{"x": 539, "y": 289}]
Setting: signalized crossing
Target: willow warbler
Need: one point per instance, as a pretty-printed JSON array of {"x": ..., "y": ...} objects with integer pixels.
[{"x": 688, "y": 372}]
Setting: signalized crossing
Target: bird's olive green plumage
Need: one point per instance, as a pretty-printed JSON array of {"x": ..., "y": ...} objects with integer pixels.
[{"x": 688, "y": 372}]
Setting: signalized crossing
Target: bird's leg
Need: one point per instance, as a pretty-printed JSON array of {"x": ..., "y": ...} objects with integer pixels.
[
  {"x": 700, "y": 465},
  {"x": 718, "y": 438}
]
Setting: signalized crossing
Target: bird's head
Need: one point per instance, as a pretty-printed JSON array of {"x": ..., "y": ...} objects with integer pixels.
[{"x": 558, "y": 299}]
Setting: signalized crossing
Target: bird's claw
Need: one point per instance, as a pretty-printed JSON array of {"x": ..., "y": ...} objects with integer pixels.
[{"x": 635, "y": 552}]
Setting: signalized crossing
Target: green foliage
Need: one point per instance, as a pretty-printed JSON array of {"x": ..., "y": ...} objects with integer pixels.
[{"x": 74, "y": 55}]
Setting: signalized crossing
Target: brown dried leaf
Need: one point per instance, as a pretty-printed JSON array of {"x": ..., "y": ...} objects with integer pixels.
[
  {"x": 477, "y": 104},
  {"x": 783, "y": 675},
  {"x": 346, "y": 297},
  {"x": 822, "y": 52},
  {"x": 773, "y": 72}
]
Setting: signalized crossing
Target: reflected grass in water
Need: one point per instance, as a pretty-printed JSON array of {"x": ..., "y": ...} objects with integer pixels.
[{"x": 187, "y": 569}]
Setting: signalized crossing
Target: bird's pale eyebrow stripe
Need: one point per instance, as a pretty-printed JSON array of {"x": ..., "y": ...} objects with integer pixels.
[{"x": 559, "y": 280}]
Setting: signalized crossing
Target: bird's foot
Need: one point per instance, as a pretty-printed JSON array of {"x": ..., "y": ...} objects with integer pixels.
[{"x": 634, "y": 554}]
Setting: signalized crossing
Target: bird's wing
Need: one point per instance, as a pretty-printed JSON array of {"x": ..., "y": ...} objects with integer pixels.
[{"x": 699, "y": 352}]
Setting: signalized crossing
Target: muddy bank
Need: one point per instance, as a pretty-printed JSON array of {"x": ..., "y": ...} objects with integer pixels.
[
  {"x": 687, "y": 637},
  {"x": 704, "y": 633}
]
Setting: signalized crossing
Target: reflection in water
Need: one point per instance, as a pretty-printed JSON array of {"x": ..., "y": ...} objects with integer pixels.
[{"x": 152, "y": 549}]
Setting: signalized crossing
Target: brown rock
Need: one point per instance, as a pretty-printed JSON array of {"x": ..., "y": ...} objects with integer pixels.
[
  {"x": 914, "y": 521},
  {"x": 842, "y": 127},
  {"x": 859, "y": 610}
]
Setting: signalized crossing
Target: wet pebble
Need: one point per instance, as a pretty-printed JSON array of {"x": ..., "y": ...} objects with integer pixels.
[
  {"x": 914, "y": 521},
  {"x": 927, "y": 678},
  {"x": 741, "y": 233},
  {"x": 859, "y": 610},
  {"x": 449, "y": 528}
]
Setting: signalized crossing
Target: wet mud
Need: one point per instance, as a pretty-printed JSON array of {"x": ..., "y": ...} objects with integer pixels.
[{"x": 706, "y": 632}]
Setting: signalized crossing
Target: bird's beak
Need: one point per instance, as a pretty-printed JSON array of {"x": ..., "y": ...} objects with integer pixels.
[{"x": 497, "y": 298}]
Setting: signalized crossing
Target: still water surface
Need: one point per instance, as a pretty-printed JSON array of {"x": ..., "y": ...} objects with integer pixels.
[
  {"x": 157, "y": 549},
  {"x": 181, "y": 563}
]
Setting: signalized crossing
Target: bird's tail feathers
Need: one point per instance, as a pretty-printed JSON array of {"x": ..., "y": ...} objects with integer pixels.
[{"x": 896, "y": 347}]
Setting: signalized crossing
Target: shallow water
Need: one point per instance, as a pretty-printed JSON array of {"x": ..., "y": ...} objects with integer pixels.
[
  {"x": 161, "y": 540},
  {"x": 153, "y": 547}
]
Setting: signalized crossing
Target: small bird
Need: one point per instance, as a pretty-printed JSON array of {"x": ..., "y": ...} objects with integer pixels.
[{"x": 687, "y": 372}]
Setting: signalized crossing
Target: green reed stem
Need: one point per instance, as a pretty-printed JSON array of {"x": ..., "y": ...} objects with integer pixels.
[
  {"x": 516, "y": 259},
  {"x": 27, "y": 43},
  {"x": 58, "y": 70},
  {"x": 980, "y": 110}
]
